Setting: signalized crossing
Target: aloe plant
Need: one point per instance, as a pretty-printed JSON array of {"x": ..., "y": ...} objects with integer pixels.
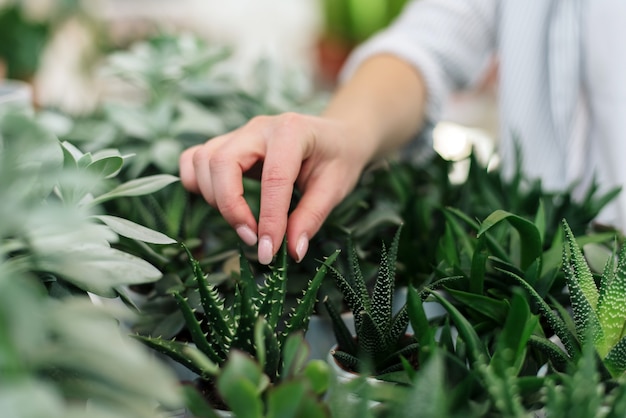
[
  {"x": 380, "y": 341},
  {"x": 221, "y": 327}
]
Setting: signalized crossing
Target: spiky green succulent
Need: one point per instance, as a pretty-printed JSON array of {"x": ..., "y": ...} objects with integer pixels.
[
  {"x": 255, "y": 321},
  {"x": 598, "y": 311},
  {"x": 380, "y": 342}
]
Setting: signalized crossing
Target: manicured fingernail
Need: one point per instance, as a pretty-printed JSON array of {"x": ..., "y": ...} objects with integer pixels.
[
  {"x": 266, "y": 250},
  {"x": 246, "y": 234},
  {"x": 302, "y": 245}
]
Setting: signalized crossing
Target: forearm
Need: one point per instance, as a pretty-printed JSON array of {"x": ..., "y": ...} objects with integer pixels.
[{"x": 383, "y": 102}]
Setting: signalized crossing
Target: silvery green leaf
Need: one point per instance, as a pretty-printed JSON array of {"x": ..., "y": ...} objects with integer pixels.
[
  {"x": 132, "y": 120},
  {"x": 99, "y": 269},
  {"x": 31, "y": 398},
  {"x": 137, "y": 187},
  {"x": 165, "y": 153},
  {"x": 45, "y": 237},
  {"x": 72, "y": 150},
  {"x": 135, "y": 231},
  {"x": 96, "y": 339},
  {"x": 195, "y": 118},
  {"x": 106, "y": 167}
]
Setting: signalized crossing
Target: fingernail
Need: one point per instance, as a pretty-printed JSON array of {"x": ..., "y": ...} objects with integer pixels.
[
  {"x": 246, "y": 234},
  {"x": 302, "y": 245},
  {"x": 266, "y": 250}
]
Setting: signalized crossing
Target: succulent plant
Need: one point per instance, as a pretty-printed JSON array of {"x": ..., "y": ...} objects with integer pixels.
[
  {"x": 597, "y": 310},
  {"x": 380, "y": 342},
  {"x": 52, "y": 210},
  {"x": 56, "y": 358},
  {"x": 247, "y": 391},
  {"x": 253, "y": 322}
]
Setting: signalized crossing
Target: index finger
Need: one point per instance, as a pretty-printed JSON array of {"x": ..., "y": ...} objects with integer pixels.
[{"x": 283, "y": 161}]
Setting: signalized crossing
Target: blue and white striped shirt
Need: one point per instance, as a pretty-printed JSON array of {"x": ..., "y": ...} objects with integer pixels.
[{"x": 562, "y": 87}]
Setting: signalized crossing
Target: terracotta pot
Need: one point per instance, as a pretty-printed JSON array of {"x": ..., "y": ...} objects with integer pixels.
[{"x": 331, "y": 55}]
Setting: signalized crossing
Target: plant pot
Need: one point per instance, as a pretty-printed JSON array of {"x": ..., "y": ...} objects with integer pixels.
[
  {"x": 320, "y": 336},
  {"x": 331, "y": 54},
  {"x": 345, "y": 378},
  {"x": 185, "y": 413}
]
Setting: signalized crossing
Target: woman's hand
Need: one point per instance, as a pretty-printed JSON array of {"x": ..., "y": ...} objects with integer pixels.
[
  {"x": 375, "y": 112},
  {"x": 322, "y": 156}
]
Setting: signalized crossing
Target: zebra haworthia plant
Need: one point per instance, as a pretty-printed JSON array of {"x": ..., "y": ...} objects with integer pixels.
[
  {"x": 255, "y": 322},
  {"x": 381, "y": 342},
  {"x": 599, "y": 311}
]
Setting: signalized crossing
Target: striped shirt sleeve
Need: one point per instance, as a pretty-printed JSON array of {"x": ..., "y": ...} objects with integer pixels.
[{"x": 448, "y": 41}]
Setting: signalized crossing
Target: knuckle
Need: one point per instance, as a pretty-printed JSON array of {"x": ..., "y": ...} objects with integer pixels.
[
  {"x": 316, "y": 215},
  {"x": 199, "y": 156},
  {"x": 229, "y": 206},
  {"x": 218, "y": 161},
  {"x": 275, "y": 178},
  {"x": 291, "y": 121},
  {"x": 258, "y": 121}
]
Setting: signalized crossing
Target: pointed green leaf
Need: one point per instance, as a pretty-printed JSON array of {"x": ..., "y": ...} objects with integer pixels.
[
  {"x": 134, "y": 231},
  {"x": 531, "y": 245},
  {"x": 275, "y": 290},
  {"x": 347, "y": 361},
  {"x": 350, "y": 296},
  {"x": 577, "y": 270},
  {"x": 554, "y": 321},
  {"x": 612, "y": 302},
  {"x": 423, "y": 332},
  {"x": 398, "y": 328},
  {"x": 559, "y": 358},
  {"x": 585, "y": 317},
  {"x": 371, "y": 339},
  {"x": 345, "y": 339},
  {"x": 106, "y": 167},
  {"x": 299, "y": 320},
  {"x": 212, "y": 304},
  {"x": 383, "y": 293},
  {"x": 197, "y": 334},
  {"x": 511, "y": 343},
  {"x": 466, "y": 331},
  {"x": 177, "y": 351},
  {"x": 495, "y": 309},
  {"x": 615, "y": 360},
  {"x": 137, "y": 187},
  {"x": 356, "y": 279}
]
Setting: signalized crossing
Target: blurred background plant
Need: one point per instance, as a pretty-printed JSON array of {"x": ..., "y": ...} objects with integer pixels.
[
  {"x": 52, "y": 224},
  {"x": 57, "y": 346}
]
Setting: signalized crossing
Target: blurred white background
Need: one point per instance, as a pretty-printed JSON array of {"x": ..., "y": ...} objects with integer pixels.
[{"x": 286, "y": 31}]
